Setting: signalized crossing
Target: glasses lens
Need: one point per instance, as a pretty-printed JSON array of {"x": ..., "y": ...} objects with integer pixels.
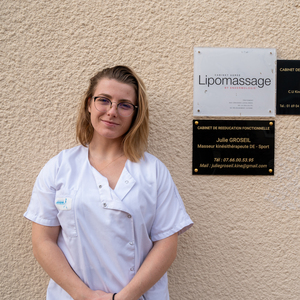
[
  {"x": 102, "y": 105},
  {"x": 125, "y": 109}
]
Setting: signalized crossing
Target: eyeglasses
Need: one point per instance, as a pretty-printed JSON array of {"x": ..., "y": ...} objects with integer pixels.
[{"x": 125, "y": 109}]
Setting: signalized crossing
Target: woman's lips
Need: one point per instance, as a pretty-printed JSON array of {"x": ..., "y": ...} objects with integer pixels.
[{"x": 109, "y": 123}]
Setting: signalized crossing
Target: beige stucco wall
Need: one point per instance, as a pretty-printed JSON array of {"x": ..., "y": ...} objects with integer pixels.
[{"x": 245, "y": 243}]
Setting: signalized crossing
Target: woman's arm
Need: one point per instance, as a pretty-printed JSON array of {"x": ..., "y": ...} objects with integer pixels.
[
  {"x": 53, "y": 261},
  {"x": 153, "y": 268}
]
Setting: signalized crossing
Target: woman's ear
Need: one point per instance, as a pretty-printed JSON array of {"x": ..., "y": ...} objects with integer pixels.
[{"x": 89, "y": 104}]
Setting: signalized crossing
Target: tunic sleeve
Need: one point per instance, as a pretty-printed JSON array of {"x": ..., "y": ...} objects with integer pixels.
[
  {"x": 42, "y": 209},
  {"x": 171, "y": 216}
]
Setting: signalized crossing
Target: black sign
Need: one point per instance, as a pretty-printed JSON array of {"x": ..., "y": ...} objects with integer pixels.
[
  {"x": 288, "y": 87},
  {"x": 233, "y": 147}
]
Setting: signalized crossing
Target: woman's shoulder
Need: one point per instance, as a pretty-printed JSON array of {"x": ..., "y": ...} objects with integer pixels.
[
  {"x": 149, "y": 164},
  {"x": 150, "y": 159},
  {"x": 71, "y": 152},
  {"x": 64, "y": 161},
  {"x": 66, "y": 155}
]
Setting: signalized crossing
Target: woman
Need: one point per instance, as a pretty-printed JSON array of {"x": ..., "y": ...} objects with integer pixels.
[{"x": 106, "y": 214}]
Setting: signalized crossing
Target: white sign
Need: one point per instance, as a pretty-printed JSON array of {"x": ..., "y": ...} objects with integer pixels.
[{"x": 234, "y": 82}]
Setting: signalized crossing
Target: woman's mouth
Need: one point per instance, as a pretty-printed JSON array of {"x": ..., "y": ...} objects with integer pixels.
[{"x": 109, "y": 123}]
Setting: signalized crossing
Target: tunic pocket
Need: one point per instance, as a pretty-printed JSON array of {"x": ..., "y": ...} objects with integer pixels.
[{"x": 65, "y": 203}]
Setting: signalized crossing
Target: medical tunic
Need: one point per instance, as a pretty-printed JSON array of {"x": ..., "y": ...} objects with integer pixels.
[{"x": 106, "y": 234}]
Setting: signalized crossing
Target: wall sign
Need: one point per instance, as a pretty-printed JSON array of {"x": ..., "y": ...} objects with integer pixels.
[
  {"x": 234, "y": 82},
  {"x": 288, "y": 87},
  {"x": 233, "y": 147}
]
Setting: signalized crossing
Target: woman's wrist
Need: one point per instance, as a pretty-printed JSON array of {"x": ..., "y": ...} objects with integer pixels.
[{"x": 84, "y": 293}]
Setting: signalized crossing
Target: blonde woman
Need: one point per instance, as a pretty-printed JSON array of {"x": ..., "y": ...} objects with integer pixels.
[{"x": 106, "y": 214}]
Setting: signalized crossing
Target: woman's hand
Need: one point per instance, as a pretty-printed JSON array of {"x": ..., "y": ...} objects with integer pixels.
[
  {"x": 156, "y": 264},
  {"x": 99, "y": 295}
]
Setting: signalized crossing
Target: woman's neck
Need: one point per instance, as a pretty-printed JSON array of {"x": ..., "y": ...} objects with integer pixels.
[
  {"x": 108, "y": 159},
  {"x": 105, "y": 149}
]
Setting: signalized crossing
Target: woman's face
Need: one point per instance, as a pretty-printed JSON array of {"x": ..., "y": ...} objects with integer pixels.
[{"x": 110, "y": 125}]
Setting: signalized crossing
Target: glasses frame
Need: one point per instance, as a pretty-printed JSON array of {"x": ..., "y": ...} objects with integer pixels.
[{"x": 135, "y": 107}]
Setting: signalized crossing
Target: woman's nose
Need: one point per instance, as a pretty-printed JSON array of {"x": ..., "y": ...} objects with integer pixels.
[{"x": 113, "y": 110}]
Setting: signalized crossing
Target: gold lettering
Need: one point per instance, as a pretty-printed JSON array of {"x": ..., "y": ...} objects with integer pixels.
[
  {"x": 229, "y": 128},
  {"x": 263, "y": 146},
  {"x": 205, "y": 146},
  {"x": 222, "y": 140},
  {"x": 204, "y": 127},
  {"x": 287, "y": 69},
  {"x": 239, "y": 140},
  {"x": 255, "y": 128}
]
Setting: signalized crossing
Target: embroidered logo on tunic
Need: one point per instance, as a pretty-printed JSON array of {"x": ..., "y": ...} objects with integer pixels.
[{"x": 63, "y": 203}]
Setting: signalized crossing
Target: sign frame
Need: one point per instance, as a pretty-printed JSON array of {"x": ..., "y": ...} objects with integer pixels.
[
  {"x": 288, "y": 87},
  {"x": 233, "y": 147},
  {"x": 234, "y": 82}
]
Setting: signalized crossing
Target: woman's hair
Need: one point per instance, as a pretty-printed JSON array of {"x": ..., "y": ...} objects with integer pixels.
[{"x": 135, "y": 140}]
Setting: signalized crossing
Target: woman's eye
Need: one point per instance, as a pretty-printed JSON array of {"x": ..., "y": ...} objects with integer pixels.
[
  {"x": 125, "y": 106},
  {"x": 103, "y": 101}
]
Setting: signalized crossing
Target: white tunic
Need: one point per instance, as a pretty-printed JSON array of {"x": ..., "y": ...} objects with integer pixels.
[{"x": 106, "y": 234}]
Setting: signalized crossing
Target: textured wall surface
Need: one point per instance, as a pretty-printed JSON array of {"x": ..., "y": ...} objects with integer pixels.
[{"x": 245, "y": 243}]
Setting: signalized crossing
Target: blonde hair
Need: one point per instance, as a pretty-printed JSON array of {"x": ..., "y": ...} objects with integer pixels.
[{"x": 136, "y": 139}]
